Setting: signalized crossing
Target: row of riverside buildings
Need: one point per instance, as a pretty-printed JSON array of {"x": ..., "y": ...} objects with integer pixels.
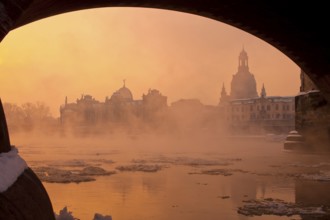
[
  {"x": 241, "y": 111},
  {"x": 119, "y": 109},
  {"x": 246, "y": 112}
]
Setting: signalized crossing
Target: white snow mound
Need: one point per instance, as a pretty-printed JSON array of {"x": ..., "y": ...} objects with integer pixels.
[{"x": 11, "y": 167}]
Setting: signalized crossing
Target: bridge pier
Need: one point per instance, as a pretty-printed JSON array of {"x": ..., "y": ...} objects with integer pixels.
[{"x": 313, "y": 114}]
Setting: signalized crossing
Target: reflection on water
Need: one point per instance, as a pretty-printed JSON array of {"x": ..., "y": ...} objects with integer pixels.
[
  {"x": 312, "y": 193},
  {"x": 179, "y": 190}
]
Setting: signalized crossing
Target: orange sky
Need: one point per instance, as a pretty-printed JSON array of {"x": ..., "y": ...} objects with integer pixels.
[{"x": 92, "y": 51}]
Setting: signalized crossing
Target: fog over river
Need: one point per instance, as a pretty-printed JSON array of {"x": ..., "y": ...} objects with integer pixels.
[{"x": 159, "y": 177}]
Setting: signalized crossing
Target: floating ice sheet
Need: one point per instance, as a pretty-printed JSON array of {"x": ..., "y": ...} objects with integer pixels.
[
  {"x": 67, "y": 215},
  {"x": 279, "y": 207}
]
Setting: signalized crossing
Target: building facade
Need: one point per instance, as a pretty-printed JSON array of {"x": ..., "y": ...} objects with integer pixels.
[
  {"x": 118, "y": 110},
  {"x": 244, "y": 111}
]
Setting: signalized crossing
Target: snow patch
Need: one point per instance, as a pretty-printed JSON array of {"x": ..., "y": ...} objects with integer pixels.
[{"x": 11, "y": 167}]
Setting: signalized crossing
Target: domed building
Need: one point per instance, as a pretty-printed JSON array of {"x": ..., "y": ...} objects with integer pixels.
[
  {"x": 120, "y": 108},
  {"x": 246, "y": 112},
  {"x": 122, "y": 94},
  {"x": 243, "y": 84}
]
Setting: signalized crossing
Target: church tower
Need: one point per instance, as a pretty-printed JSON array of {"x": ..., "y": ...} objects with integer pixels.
[
  {"x": 263, "y": 92},
  {"x": 243, "y": 84},
  {"x": 224, "y": 97}
]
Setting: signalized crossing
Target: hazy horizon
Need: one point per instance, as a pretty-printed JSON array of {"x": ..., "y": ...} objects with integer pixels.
[{"x": 91, "y": 51}]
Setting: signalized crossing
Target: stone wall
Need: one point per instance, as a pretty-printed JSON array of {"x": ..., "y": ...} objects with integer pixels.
[
  {"x": 313, "y": 119},
  {"x": 306, "y": 83}
]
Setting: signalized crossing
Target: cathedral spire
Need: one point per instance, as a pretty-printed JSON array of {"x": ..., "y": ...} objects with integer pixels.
[
  {"x": 243, "y": 84},
  {"x": 224, "y": 96},
  {"x": 223, "y": 90},
  {"x": 124, "y": 83},
  {"x": 263, "y": 91},
  {"x": 243, "y": 59}
]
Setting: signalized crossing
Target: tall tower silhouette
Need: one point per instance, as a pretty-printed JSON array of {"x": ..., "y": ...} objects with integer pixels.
[{"x": 243, "y": 84}]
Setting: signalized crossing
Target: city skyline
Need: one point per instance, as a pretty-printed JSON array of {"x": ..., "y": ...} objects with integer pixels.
[{"x": 181, "y": 55}]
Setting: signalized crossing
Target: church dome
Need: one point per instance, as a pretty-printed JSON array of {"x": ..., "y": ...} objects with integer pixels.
[
  {"x": 123, "y": 93},
  {"x": 243, "y": 84}
]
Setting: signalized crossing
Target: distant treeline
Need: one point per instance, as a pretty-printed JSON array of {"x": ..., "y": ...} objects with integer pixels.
[{"x": 29, "y": 117}]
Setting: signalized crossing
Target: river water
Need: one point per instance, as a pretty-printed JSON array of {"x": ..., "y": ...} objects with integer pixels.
[{"x": 254, "y": 168}]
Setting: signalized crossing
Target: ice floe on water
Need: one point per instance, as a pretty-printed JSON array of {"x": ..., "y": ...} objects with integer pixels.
[
  {"x": 223, "y": 172},
  {"x": 67, "y": 215},
  {"x": 56, "y": 175},
  {"x": 189, "y": 161},
  {"x": 69, "y": 163},
  {"x": 317, "y": 165},
  {"x": 320, "y": 176},
  {"x": 140, "y": 167},
  {"x": 98, "y": 216},
  {"x": 279, "y": 207},
  {"x": 95, "y": 171}
]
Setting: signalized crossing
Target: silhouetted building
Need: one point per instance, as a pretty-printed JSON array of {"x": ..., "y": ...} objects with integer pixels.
[
  {"x": 271, "y": 114},
  {"x": 224, "y": 98},
  {"x": 245, "y": 112},
  {"x": 190, "y": 115},
  {"x": 86, "y": 110},
  {"x": 243, "y": 84},
  {"x": 154, "y": 105},
  {"x": 120, "y": 108}
]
